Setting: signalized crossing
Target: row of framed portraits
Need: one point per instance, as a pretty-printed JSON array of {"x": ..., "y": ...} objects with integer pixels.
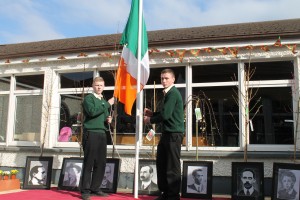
[
  {"x": 247, "y": 180},
  {"x": 197, "y": 178},
  {"x": 38, "y": 173}
]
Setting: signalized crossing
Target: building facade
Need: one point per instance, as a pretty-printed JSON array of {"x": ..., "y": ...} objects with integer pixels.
[{"x": 244, "y": 79}]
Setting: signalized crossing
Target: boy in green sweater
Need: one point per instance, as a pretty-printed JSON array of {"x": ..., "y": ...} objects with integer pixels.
[
  {"x": 169, "y": 147},
  {"x": 94, "y": 141}
]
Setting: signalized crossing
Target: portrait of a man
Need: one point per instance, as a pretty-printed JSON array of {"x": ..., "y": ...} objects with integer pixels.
[
  {"x": 108, "y": 176},
  {"x": 197, "y": 180},
  {"x": 147, "y": 179},
  {"x": 38, "y": 173},
  {"x": 248, "y": 180},
  {"x": 286, "y": 185},
  {"x": 72, "y": 174}
]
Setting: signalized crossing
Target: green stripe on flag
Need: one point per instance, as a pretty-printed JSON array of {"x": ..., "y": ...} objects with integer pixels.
[{"x": 130, "y": 34}]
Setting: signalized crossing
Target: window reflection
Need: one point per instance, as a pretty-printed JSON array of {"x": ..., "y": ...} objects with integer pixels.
[
  {"x": 220, "y": 117},
  {"x": 214, "y": 73},
  {"x": 76, "y": 79},
  {"x": 30, "y": 82},
  {"x": 3, "y": 116},
  {"x": 273, "y": 124},
  {"x": 4, "y": 83},
  {"x": 70, "y": 118},
  {"x": 271, "y": 70},
  {"x": 108, "y": 77},
  {"x": 28, "y": 118}
]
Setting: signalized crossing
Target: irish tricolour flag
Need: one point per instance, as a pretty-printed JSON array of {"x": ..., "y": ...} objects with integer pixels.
[{"x": 127, "y": 74}]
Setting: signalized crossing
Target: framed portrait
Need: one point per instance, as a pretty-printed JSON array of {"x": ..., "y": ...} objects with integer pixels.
[
  {"x": 247, "y": 181},
  {"x": 286, "y": 179},
  {"x": 70, "y": 174},
  {"x": 147, "y": 180},
  {"x": 197, "y": 179},
  {"x": 38, "y": 172},
  {"x": 110, "y": 179}
]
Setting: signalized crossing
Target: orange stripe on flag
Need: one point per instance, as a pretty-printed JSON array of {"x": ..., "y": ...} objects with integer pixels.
[{"x": 125, "y": 87}]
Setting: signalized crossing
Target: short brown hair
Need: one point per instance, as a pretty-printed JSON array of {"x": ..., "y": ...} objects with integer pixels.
[{"x": 170, "y": 71}]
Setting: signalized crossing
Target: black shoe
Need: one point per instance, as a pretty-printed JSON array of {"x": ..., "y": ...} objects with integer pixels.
[
  {"x": 85, "y": 197},
  {"x": 99, "y": 194}
]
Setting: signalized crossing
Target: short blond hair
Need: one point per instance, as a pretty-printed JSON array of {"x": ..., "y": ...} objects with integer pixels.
[{"x": 98, "y": 79}]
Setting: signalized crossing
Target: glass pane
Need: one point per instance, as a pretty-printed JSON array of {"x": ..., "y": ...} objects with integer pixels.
[
  {"x": 70, "y": 118},
  {"x": 28, "y": 118},
  {"x": 219, "y": 119},
  {"x": 273, "y": 124},
  {"x": 214, "y": 73},
  {"x": 3, "y": 116},
  {"x": 155, "y": 75},
  {"x": 108, "y": 77},
  {"x": 76, "y": 79},
  {"x": 271, "y": 70},
  {"x": 125, "y": 124},
  {"x": 4, "y": 83},
  {"x": 30, "y": 82}
]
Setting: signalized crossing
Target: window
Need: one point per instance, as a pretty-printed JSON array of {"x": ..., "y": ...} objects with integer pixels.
[
  {"x": 3, "y": 116},
  {"x": 28, "y": 107},
  {"x": 72, "y": 94},
  {"x": 76, "y": 79},
  {"x": 4, "y": 83},
  {"x": 219, "y": 112},
  {"x": 280, "y": 70},
  {"x": 272, "y": 103},
  {"x": 219, "y": 121},
  {"x": 30, "y": 82},
  {"x": 273, "y": 124},
  {"x": 4, "y": 104},
  {"x": 28, "y": 118},
  {"x": 214, "y": 73},
  {"x": 70, "y": 117}
]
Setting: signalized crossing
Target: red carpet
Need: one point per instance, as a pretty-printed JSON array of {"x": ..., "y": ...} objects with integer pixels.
[{"x": 54, "y": 194}]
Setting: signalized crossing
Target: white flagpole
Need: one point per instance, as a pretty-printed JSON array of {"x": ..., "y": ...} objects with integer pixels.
[{"x": 139, "y": 117}]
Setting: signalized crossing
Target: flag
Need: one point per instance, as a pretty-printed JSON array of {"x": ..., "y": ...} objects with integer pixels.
[{"x": 126, "y": 79}]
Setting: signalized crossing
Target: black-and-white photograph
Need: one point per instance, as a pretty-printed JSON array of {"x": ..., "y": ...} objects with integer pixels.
[
  {"x": 147, "y": 177},
  {"x": 110, "y": 179},
  {"x": 247, "y": 180},
  {"x": 38, "y": 172},
  {"x": 70, "y": 174},
  {"x": 197, "y": 179},
  {"x": 107, "y": 181},
  {"x": 286, "y": 178}
]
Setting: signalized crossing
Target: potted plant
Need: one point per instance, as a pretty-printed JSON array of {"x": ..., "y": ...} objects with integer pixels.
[
  {"x": 1, "y": 174},
  {"x": 9, "y": 184},
  {"x": 6, "y": 175},
  {"x": 13, "y": 173}
]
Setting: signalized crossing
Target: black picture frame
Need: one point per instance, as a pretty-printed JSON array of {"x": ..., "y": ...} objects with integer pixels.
[
  {"x": 111, "y": 175},
  {"x": 70, "y": 174},
  {"x": 38, "y": 172},
  {"x": 197, "y": 188},
  {"x": 147, "y": 170},
  {"x": 290, "y": 174},
  {"x": 244, "y": 175}
]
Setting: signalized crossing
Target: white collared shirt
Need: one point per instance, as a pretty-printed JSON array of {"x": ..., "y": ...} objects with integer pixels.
[
  {"x": 145, "y": 184},
  {"x": 98, "y": 96},
  {"x": 168, "y": 89}
]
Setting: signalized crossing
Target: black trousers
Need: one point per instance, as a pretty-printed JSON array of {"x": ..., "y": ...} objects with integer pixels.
[
  {"x": 168, "y": 164},
  {"x": 94, "y": 162}
]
